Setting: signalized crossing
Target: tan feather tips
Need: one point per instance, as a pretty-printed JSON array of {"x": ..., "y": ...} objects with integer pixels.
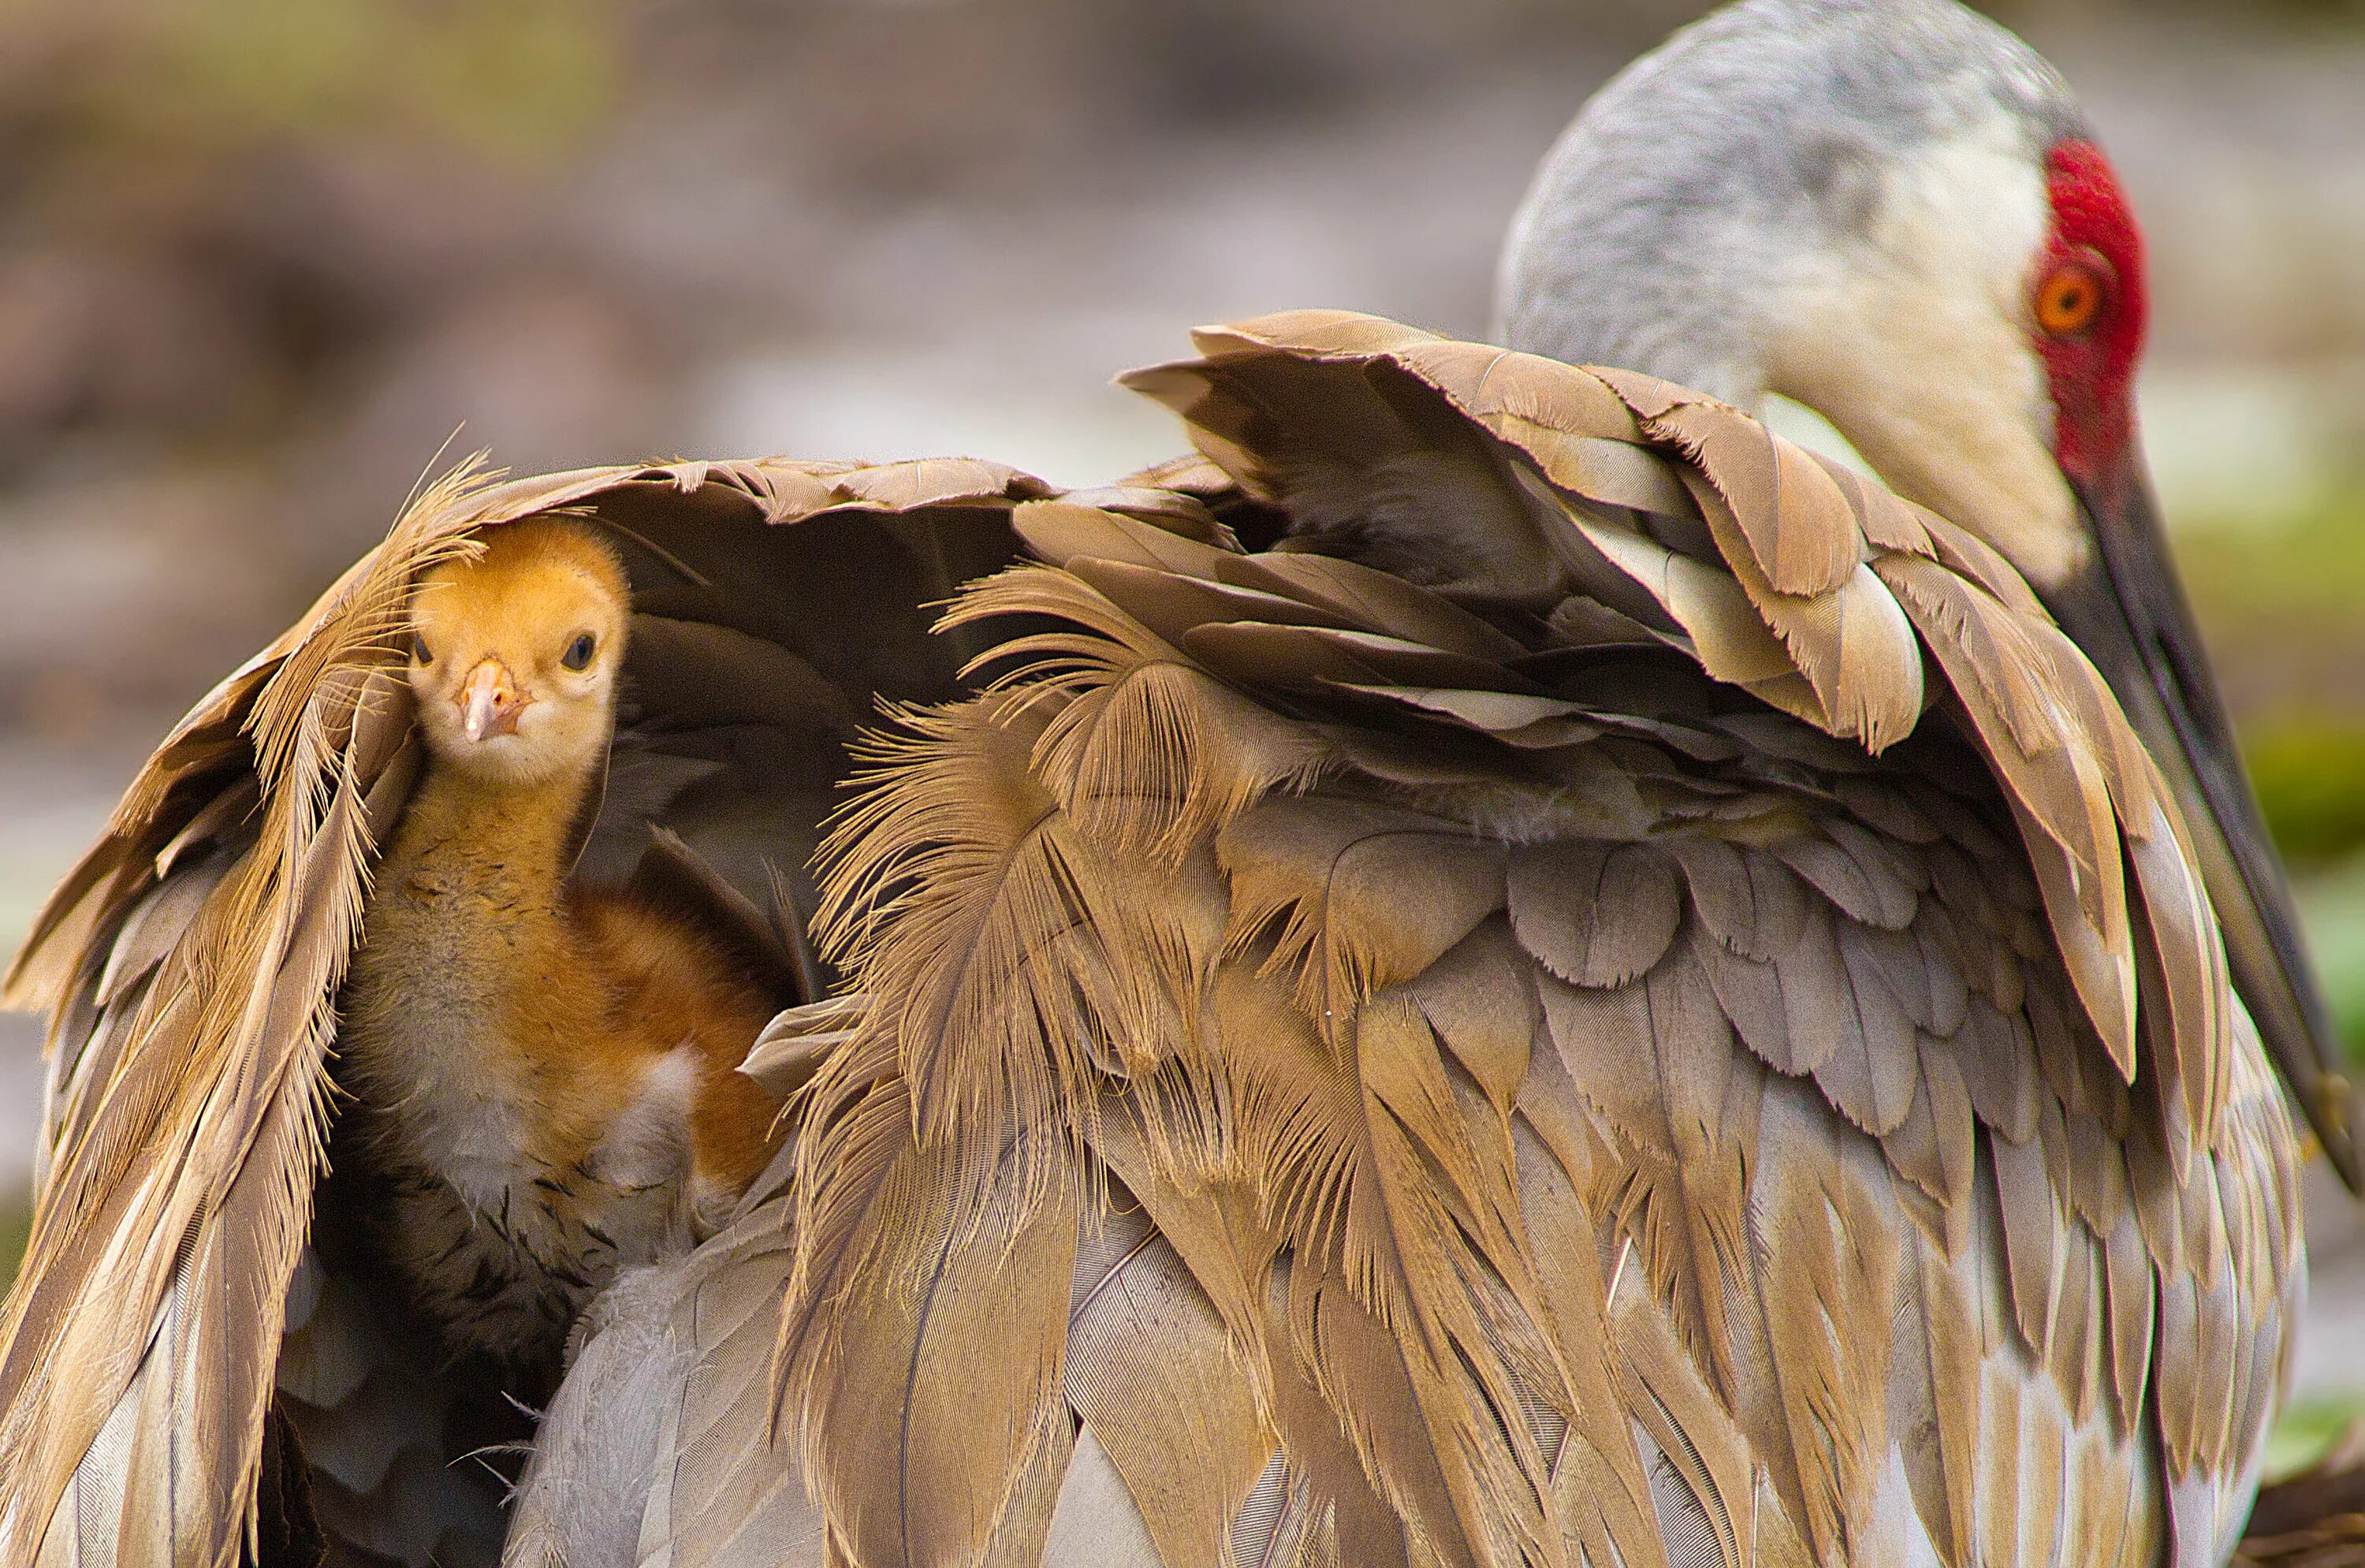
[
  {"x": 1811, "y": 587},
  {"x": 1782, "y": 597}
]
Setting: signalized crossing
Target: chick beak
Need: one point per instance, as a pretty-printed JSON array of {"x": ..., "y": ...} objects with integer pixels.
[
  {"x": 2126, "y": 609},
  {"x": 488, "y": 701}
]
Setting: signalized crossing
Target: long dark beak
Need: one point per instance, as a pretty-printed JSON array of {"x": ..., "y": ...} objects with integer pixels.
[{"x": 2128, "y": 613}]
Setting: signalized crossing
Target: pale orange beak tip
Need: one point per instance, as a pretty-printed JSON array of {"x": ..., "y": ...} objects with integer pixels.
[{"x": 489, "y": 701}]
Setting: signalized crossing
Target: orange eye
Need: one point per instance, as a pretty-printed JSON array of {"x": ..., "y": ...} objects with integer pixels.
[{"x": 2069, "y": 296}]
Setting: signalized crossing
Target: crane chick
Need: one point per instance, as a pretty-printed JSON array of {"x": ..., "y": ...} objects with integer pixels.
[{"x": 542, "y": 1072}]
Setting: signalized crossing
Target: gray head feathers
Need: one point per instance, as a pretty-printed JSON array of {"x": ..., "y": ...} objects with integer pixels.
[{"x": 1662, "y": 227}]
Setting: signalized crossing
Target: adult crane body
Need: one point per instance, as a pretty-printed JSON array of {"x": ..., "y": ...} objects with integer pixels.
[{"x": 1618, "y": 994}]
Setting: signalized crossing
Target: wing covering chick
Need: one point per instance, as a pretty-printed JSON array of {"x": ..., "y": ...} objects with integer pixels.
[
  {"x": 1675, "y": 1025},
  {"x": 539, "y": 1071},
  {"x": 192, "y": 960}
]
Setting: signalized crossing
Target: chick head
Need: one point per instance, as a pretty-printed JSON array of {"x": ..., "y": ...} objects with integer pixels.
[{"x": 514, "y": 654}]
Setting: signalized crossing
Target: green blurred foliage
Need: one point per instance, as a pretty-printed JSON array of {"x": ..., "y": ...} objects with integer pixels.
[
  {"x": 15, "y": 1226},
  {"x": 2283, "y": 577},
  {"x": 196, "y": 81},
  {"x": 2332, "y": 907},
  {"x": 214, "y": 214},
  {"x": 2307, "y": 1429},
  {"x": 2279, "y": 601},
  {"x": 2309, "y": 770}
]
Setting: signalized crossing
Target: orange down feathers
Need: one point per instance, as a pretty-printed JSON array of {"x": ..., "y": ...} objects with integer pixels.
[{"x": 543, "y": 1073}]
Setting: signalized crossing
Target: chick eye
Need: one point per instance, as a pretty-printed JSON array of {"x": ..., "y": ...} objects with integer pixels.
[
  {"x": 2070, "y": 296},
  {"x": 421, "y": 654},
  {"x": 578, "y": 652}
]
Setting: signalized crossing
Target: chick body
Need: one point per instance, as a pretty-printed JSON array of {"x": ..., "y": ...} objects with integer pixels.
[{"x": 543, "y": 1075}]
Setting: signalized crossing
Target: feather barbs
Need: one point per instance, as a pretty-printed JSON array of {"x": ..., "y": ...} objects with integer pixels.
[
  {"x": 1519, "y": 961},
  {"x": 191, "y": 1121},
  {"x": 1818, "y": 590}
]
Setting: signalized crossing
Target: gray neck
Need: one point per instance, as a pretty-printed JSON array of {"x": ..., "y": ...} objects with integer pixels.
[{"x": 1718, "y": 175}]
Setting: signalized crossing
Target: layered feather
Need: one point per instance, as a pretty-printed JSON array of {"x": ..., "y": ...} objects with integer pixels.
[
  {"x": 1624, "y": 997},
  {"x": 192, "y": 960},
  {"x": 1674, "y": 1023}
]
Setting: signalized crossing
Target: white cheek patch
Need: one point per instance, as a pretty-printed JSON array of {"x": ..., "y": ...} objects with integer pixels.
[
  {"x": 1915, "y": 344},
  {"x": 1973, "y": 212}
]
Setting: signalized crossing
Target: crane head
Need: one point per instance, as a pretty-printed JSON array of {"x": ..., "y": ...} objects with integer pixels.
[
  {"x": 1894, "y": 213},
  {"x": 514, "y": 653}
]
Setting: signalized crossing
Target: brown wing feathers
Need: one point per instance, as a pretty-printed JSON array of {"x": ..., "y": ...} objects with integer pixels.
[
  {"x": 1507, "y": 1075},
  {"x": 180, "y": 1204},
  {"x": 190, "y": 960},
  {"x": 1682, "y": 1120}
]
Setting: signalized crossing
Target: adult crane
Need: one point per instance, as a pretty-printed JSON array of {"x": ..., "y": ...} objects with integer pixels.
[
  {"x": 1614, "y": 995},
  {"x": 1617, "y": 993}
]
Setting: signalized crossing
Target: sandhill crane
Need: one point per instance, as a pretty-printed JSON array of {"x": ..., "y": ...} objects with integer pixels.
[{"x": 1620, "y": 994}]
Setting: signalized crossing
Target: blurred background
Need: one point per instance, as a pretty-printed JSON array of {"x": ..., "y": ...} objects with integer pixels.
[{"x": 264, "y": 264}]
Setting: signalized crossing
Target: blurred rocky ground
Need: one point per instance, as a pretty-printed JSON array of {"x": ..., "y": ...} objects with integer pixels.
[{"x": 264, "y": 264}]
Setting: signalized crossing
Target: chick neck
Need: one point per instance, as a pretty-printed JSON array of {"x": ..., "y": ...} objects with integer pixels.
[
  {"x": 488, "y": 829},
  {"x": 469, "y": 907},
  {"x": 467, "y": 918}
]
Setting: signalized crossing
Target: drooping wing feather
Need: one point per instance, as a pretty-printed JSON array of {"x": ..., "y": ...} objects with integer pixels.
[
  {"x": 1154, "y": 1432},
  {"x": 177, "y": 1192},
  {"x": 664, "y": 1399},
  {"x": 190, "y": 960},
  {"x": 1687, "y": 1008},
  {"x": 672, "y": 877}
]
